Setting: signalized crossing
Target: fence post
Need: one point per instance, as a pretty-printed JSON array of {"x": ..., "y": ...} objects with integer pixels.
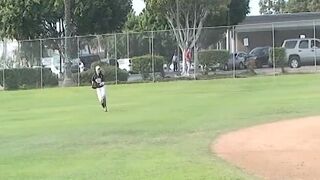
[
  {"x": 128, "y": 45},
  {"x": 195, "y": 57},
  {"x": 3, "y": 73},
  {"x": 41, "y": 56},
  {"x": 152, "y": 57},
  {"x": 273, "y": 53},
  {"x": 314, "y": 46},
  {"x": 78, "y": 47},
  {"x": 233, "y": 52},
  {"x": 116, "y": 57}
]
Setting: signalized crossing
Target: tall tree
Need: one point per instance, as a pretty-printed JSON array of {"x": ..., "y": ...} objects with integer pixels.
[
  {"x": 30, "y": 19},
  {"x": 188, "y": 17},
  {"x": 100, "y": 16},
  {"x": 164, "y": 42},
  {"x": 238, "y": 10},
  {"x": 272, "y": 6},
  {"x": 295, "y": 6},
  {"x": 68, "y": 29},
  {"x": 235, "y": 13},
  {"x": 291, "y": 6}
]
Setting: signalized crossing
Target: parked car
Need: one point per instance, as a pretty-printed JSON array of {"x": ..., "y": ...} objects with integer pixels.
[
  {"x": 53, "y": 63},
  {"x": 125, "y": 64},
  {"x": 87, "y": 60},
  {"x": 84, "y": 62},
  {"x": 260, "y": 55},
  {"x": 236, "y": 60},
  {"x": 302, "y": 51},
  {"x": 77, "y": 66},
  {"x": 110, "y": 62}
]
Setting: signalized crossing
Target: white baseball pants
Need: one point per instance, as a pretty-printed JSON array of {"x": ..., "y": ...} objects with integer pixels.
[{"x": 101, "y": 92}]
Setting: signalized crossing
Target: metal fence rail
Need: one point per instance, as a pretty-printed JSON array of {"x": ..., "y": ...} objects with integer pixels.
[{"x": 44, "y": 60}]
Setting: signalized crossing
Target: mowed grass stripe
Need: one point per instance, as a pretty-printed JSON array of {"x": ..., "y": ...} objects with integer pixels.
[{"x": 153, "y": 131}]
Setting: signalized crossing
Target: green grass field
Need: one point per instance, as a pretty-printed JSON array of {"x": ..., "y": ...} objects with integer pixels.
[{"x": 153, "y": 131}]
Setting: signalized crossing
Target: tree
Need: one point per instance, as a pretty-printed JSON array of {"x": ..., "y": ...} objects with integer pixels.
[
  {"x": 188, "y": 17},
  {"x": 295, "y": 6},
  {"x": 291, "y": 6},
  {"x": 238, "y": 10},
  {"x": 133, "y": 22},
  {"x": 314, "y": 6},
  {"x": 272, "y": 6},
  {"x": 68, "y": 30},
  {"x": 235, "y": 12},
  {"x": 100, "y": 16},
  {"x": 32, "y": 19},
  {"x": 164, "y": 42}
]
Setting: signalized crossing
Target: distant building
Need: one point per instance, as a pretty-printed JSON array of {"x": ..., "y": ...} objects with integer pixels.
[{"x": 257, "y": 31}]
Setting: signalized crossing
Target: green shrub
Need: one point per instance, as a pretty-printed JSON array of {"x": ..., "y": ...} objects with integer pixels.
[
  {"x": 279, "y": 57},
  {"x": 108, "y": 71},
  {"x": 251, "y": 65},
  {"x": 143, "y": 65},
  {"x": 213, "y": 58},
  {"x": 27, "y": 78}
]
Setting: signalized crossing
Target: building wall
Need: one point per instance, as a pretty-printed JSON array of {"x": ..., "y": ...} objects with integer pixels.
[
  {"x": 265, "y": 38},
  {"x": 256, "y": 39}
]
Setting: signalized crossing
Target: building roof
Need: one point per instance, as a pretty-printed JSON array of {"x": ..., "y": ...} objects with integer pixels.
[
  {"x": 279, "y": 22},
  {"x": 273, "y": 18}
]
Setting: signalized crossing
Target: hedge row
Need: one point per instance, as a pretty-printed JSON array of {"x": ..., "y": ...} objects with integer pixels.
[
  {"x": 27, "y": 78},
  {"x": 144, "y": 66},
  {"x": 108, "y": 71},
  {"x": 211, "y": 58}
]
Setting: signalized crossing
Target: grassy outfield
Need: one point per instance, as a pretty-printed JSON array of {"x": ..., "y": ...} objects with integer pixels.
[{"x": 153, "y": 131}]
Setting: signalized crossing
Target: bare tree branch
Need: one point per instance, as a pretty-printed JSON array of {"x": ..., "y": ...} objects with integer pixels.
[
  {"x": 200, "y": 27},
  {"x": 178, "y": 37}
]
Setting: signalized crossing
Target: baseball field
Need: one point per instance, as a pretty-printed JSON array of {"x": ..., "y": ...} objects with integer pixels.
[{"x": 153, "y": 131}]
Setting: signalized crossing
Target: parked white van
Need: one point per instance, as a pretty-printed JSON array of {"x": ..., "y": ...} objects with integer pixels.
[
  {"x": 53, "y": 63},
  {"x": 125, "y": 64}
]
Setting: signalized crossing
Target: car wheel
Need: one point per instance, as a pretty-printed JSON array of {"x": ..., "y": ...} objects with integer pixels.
[
  {"x": 294, "y": 62},
  {"x": 241, "y": 66}
]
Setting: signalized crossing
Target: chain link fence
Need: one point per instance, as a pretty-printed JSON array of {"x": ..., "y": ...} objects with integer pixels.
[{"x": 130, "y": 57}]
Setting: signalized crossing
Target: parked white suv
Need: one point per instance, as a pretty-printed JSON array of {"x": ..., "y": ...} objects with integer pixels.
[{"x": 302, "y": 51}]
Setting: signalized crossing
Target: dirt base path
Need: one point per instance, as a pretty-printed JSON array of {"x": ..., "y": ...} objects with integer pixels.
[{"x": 281, "y": 150}]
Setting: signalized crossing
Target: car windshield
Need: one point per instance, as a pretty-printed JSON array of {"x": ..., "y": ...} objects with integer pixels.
[
  {"x": 256, "y": 51},
  {"x": 290, "y": 44}
]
